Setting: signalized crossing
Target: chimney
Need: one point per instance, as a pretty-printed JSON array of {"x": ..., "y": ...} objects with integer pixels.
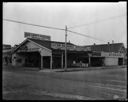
[
  {"x": 108, "y": 43},
  {"x": 94, "y": 44},
  {"x": 112, "y": 41}
]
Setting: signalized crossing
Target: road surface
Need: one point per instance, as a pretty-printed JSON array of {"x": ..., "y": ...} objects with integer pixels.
[{"x": 102, "y": 84}]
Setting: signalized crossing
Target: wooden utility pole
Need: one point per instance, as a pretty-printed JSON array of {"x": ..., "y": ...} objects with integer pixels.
[{"x": 65, "y": 47}]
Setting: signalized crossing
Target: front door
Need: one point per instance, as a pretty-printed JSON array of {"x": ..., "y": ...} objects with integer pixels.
[{"x": 46, "y": 61}]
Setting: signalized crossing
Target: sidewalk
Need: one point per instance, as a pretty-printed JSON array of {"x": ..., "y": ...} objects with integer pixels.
[
  {"x": 82, "y": 69},
  {"x": 10, "y": 67}
]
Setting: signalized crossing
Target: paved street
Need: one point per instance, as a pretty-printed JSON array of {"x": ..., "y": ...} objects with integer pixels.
[{"x": 102, "y": 84}]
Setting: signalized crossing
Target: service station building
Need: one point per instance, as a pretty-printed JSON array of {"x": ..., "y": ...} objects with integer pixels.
[{"x": 47, "y": 54}]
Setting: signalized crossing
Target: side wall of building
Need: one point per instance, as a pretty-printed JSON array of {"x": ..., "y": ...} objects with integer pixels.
[{"x": 110, "y": 61}]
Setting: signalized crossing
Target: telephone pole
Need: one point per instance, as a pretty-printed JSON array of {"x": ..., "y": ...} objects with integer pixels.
[{"x": 65, "y": 47}]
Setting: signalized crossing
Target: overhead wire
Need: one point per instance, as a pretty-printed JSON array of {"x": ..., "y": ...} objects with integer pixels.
[
  {"x": 33, "y": 24},
  {"x": 103, "y": 20},
  {"x": 52, "y": 28},
  {"x": 85, "y": 35}
]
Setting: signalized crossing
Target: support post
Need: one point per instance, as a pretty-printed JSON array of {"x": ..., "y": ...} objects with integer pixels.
[
  {"x": 41, "y": 62},
  {"x": 89, "y": 64},
  {"x": 65, "y": 47},
  {"x": 51, "y": 62},
  {"x": 62, "y": 60}
]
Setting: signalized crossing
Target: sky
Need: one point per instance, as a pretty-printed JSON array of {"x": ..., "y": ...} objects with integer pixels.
[{"x": 71, "y": 14}]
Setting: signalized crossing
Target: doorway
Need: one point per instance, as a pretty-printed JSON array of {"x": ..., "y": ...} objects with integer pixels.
[
  {"x": 120, "y": 61},
  {"x": 46, "y": 62}
]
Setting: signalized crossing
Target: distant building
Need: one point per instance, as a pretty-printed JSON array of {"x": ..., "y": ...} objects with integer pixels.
[
  {"x": 7, "y": 54},
  {"x": 6, "y": 46}
]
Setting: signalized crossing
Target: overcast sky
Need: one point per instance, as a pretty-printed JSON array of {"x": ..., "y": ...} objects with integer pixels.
[{"x": 70, "y": 14}]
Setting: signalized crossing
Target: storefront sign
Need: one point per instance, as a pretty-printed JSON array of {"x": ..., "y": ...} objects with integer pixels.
[
  {"x": 96, "y": 54},
  {"x": 69, "y": 47},
  {"x": 79, "y": 48},
  {"x": 111, "y": 54}
]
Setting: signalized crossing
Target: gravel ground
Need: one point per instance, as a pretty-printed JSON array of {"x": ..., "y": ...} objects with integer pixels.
[{"x": 97, "y": 85}]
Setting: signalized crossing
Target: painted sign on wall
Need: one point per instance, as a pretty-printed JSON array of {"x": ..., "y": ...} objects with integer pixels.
[
  {"x": 28, "y": 47},
  {"x": 60, "y": 46},
  {"x": 69, "y": 47},
  {"x": 111, "y": 54}
]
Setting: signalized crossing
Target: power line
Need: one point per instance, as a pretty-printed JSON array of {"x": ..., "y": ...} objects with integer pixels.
[
  {"x": 33, "y": 24},
  {"x": 50, "y": 28},
  {"x": 85, "y": 35},
  {"x": 96, "y": 21}
]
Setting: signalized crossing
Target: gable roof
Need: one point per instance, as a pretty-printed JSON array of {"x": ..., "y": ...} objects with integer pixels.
[
  {"x": 115, "y": 47},
  {"x": 46, "y": 43},
  {"x": 59, "y": 45},
  {"x": 26, "y": 40},
  {"x": 42, "y": 43}
]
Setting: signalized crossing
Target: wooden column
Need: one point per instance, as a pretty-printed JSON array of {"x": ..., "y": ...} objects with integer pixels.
[
  {"x": 62, "y": 60},
  {"x": 41, "y": 62},
  {"x": 89, "y": 58},
  {"x": 123, "y": 61},
  {"x": 51, "y": 62}
]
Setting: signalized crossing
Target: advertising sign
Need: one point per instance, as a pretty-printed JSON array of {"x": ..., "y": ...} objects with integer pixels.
[{"x": 37, "y": 36}]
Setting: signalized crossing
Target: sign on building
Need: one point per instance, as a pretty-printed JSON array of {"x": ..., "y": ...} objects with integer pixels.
[
  {"x": 28, "y": 47},
  {"x": 60, "y": 46},
  {"x": 37, "y": 36},
  {"x": 98, "y": 54},
  {"x": 111, "y": 54},
  {"x": 69, "y": 47}
]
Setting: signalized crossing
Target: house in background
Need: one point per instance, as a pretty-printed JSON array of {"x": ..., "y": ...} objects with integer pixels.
[{"x": 7, "y": 55}]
